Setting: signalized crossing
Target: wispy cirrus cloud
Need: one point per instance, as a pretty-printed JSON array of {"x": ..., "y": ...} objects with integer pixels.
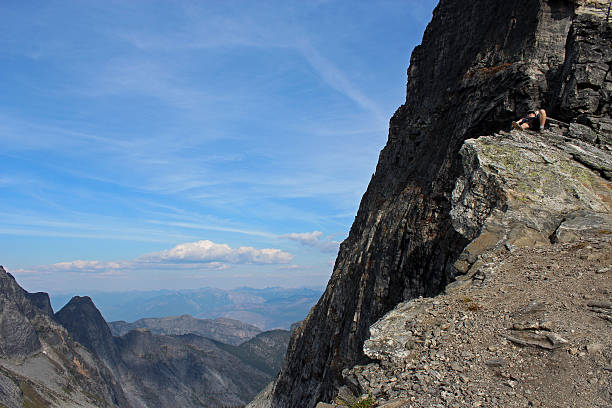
[
  {"x": 338, "y": 80},
  {"x": 313, "y": 239}
]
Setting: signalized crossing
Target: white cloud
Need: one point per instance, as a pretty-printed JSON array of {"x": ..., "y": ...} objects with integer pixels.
[
  {"x": 80, "y": 267},
  {"x": 306, "y": 238},
  {"x": 196, "y": 256},
  {"x": 87, "y": 266},
  {"x": 314, "y": 240},
  {"x": 207, "y": 251}
]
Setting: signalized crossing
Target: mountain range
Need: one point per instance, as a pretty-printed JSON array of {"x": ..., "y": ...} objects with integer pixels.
[
  {"x": 71, "y": 358},
  {"x": 268, "y": 308}
]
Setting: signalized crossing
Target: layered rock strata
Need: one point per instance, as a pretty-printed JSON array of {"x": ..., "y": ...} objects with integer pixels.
[{"x": 433, "y": 205}]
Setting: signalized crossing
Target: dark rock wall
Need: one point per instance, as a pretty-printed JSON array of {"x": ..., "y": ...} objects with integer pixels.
[
  {"x": 481, "y": 63},
  {"x": 584, "y": 92},
  {"x": 87, "y": 326},
  {"x": 41, "y": 300}
]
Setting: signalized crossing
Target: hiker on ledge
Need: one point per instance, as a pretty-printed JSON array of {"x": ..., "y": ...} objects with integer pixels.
[{"x": 534, "y": 120}]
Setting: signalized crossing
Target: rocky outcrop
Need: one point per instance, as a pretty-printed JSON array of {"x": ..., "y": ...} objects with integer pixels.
[
  {"x": 438, "y": 200},
  {"x": 16, "y": 329},
  {"x": 528, "y": 189}
]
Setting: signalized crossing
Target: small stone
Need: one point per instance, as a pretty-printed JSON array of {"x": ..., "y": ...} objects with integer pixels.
[
  {"x": 594, "y": 348},
  {"x": 546, "y": 325},
  {"x": 555, "y": 339},
  {"x": 396, "y": 403},
  {"x": 495, "y": 362}
]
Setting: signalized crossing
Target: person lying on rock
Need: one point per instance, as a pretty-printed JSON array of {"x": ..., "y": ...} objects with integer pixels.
[{"x": 534, "y": 120}]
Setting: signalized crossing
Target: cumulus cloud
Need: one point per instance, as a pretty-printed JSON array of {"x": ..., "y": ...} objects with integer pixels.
[
  {"x": 200, "y": 255},
  {"x": 313, "y": 239},
  {"x": 207, "y": 251}
]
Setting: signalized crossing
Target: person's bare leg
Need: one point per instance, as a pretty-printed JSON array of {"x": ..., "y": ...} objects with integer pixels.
[
  {"x": 525, "y": 125},
  {"x": 542, "y": 117}
]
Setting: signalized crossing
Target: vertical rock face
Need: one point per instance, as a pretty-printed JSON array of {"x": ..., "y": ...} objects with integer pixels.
[
  {"x": 481, "y": 64},
  {"x": 17, "y": 332},
  {"x": 39, "y": 360}
]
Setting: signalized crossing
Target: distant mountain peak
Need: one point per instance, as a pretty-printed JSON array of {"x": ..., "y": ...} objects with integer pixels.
[{"x": 85, "y": 323}]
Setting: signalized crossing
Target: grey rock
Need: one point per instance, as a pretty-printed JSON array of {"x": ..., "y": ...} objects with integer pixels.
[
  {"x": 10, "y": 394},
  {"x": 582, "y": 132},
  {"x": 442, "y": 187},
  {"x": 396, "y": 403},
  {"x": 17, "y": 329},
  {"x": 578, "y": 224},
  {"x": 26, "y": 324},
  {"x": 594, "y": 348},
  {"x": 602, "y": 304},
  {"x": 547, "y": 341},
  {"x": 495, "y": 362},
  {"x": 346, "y": 395}
]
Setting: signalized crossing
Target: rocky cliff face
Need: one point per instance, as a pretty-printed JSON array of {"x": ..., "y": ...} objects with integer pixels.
[
  {"x": 40, "y": 363},
  {"x": 431, "y": 209}
]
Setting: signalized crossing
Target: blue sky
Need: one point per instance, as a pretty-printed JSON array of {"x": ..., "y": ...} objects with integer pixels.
[{"x": 180, "y": 144}]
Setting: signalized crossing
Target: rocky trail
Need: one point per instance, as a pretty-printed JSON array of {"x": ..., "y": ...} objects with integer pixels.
[{"x": 530, "y": 327}]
